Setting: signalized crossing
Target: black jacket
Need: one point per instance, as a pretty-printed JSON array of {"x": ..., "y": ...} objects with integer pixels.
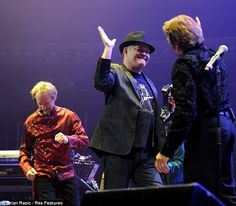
[
  {"x": 195, "y": 94},
  {"x": 115, "y": 131}
]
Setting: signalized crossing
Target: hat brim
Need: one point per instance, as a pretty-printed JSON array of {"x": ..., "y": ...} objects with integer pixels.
[{"x": 129, "y": 43}]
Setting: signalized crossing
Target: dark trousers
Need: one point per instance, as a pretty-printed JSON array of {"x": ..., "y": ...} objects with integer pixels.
[
  {"x": 53, "y": 189},
  {"x": 136, "y": 169},
  {"x": 203, "y": 161}
]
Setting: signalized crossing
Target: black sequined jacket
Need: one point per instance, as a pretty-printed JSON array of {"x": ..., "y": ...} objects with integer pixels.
[{"x": 195, "y": 93}]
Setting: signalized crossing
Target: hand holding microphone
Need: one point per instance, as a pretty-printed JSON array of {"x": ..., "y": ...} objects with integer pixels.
[{"x": 222, "y": 49}]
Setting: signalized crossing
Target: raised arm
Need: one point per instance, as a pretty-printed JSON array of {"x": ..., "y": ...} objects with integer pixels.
[{"x": 108, "y": 44}]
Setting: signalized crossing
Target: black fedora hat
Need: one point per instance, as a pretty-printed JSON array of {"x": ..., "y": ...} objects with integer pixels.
[{"x": 134, "y": 38}]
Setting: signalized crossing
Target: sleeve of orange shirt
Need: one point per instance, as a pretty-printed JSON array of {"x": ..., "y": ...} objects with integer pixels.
[
  {"x": 25, "y": 151},
  {"x": 79, "y": 139}
]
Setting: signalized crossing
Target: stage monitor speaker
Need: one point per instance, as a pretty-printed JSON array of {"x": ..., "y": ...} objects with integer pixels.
[{"x": 192, "y": 194}]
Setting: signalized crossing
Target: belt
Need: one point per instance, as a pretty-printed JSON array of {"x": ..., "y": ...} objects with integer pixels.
[
  {"x": 228, "y": 112},
  {"x": 225, "y": 114}
]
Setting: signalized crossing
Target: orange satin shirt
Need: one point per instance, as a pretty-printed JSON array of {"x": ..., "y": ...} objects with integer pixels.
[{"x": 39, "y": 149}]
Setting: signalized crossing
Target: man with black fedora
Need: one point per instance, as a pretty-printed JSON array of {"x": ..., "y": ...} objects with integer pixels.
[{"x": 127, "y": 135}]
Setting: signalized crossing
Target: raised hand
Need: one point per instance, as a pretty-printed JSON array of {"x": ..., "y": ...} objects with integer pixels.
[
  {"x": 198, "y": 21},
  {"x": 106, "y": 41}
]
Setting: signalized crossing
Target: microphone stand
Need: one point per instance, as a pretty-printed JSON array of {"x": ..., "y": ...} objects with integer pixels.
[{"x": 219, "y": 141}]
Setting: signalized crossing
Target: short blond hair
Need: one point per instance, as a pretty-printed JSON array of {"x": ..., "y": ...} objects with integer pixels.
[
  {"x": 42, "y": 87},
  {"x": 183, "y": 31}
]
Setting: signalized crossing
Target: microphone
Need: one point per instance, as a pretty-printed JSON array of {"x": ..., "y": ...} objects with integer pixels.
[{"x": 222, "y": 49}]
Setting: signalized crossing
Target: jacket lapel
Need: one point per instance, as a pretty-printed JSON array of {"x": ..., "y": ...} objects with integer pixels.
[
  {"x": 152, "y": 86},
  {"x": 133, "y": 82},
  {"x": 135, "y": 85}
]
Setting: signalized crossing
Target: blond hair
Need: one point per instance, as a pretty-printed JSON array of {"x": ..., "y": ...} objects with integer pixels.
[
  {"x": 183, "y": 31},
  {"x": 44, "y": 87}
]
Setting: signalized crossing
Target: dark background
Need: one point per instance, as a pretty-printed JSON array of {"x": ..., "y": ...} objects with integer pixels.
[{"x": 57, "y": 41}]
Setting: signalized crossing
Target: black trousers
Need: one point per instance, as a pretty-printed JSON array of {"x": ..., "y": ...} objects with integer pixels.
[
  {"x": 210, "y": 162},
  {"x": 137, "y": 169},
  {"x": 53, "y": 189}
]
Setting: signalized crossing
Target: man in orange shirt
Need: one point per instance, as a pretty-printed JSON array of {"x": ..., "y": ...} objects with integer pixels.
[{"x": 48, "y": 136}]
